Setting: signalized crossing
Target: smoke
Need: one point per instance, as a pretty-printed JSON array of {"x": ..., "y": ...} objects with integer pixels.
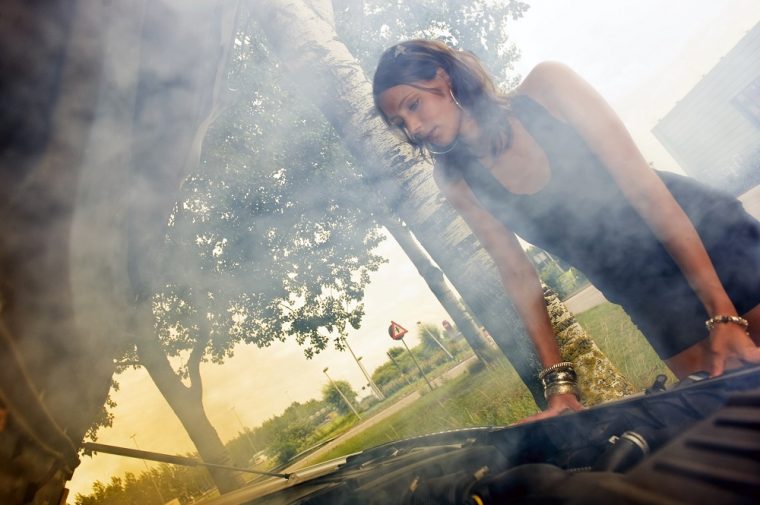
[
  {"x": 102, "y": 131},
  {"x": 85, "y": 164}
]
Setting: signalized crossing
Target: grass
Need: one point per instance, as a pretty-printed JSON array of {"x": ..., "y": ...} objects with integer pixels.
[
  {"x": 619, "y": 339},
  {"x": 489, "y": 396},
  {"x": 341, "y": 424},
  {"x": 495, "y": 395}
]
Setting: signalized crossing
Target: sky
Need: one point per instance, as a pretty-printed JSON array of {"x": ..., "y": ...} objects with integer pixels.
[{"x": 642, "y": 55}]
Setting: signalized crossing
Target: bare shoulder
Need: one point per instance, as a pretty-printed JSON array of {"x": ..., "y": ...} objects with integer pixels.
[
  {"x": 564, "y": 93},
  {"x": 551, "y": 83},
  {"x": 545, "y": 77}
]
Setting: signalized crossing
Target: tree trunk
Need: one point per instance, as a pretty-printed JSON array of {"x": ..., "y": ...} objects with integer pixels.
[
  {"x": 437, "y": 284},
  {"x": 180, "y": 83},
  {"x": 326, "y": 72},
  {"x": 186, "y": 402},
  {"x": 598, "y": 379}
]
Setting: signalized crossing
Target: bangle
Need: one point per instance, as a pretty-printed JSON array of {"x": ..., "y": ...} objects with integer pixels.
[
  {"x": 565, "y": 365},
  {"x": 559, "y": 379},
  {"x": 559, "y": 376},
  {"x": 561, "y": 389},
  {"x": 710, "y": 323}
]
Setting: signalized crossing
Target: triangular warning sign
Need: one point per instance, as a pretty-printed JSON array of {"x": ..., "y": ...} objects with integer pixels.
[{"x": 396, "y": 331}]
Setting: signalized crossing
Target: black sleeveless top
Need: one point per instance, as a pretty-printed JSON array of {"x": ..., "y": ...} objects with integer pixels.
[{"x": 582, "y": 216}]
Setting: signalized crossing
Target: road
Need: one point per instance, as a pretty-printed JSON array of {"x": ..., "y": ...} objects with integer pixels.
[
  {"x": 751, "y": 201},
  {"x": 585, "y": 299}
]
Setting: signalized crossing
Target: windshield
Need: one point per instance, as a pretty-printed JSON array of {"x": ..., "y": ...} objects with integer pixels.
[{"x": 300, "y": 290}]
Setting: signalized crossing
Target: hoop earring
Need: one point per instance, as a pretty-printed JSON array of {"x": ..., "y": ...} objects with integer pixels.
[
  {"x": 456, "y": 102},
  {"x": 456, "y": 139}
]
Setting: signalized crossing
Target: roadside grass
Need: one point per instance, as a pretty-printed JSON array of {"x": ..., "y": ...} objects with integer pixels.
[
  {"x": 486, "y": 397},
  {"x": 619, "y": 339},
  {"x": 495, "y": 395},
  {"x": 342, "y": 424}
]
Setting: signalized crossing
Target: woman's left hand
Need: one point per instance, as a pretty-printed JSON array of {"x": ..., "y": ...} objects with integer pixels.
[
  {"x": 731, "y": 347},
  {"x": 558, "y": 404}
]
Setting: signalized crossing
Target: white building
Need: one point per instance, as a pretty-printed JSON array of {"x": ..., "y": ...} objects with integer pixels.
[{"x": 714, "y": 131}]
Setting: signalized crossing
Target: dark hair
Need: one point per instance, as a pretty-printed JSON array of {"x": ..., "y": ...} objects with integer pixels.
[{"x": 418, "y": 60}]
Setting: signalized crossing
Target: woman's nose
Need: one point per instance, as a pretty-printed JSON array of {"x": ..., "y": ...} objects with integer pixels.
[{"x": 415, "y": 129}]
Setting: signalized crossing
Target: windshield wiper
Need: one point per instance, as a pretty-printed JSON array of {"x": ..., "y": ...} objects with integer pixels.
[{"x": 174, "y": 460}]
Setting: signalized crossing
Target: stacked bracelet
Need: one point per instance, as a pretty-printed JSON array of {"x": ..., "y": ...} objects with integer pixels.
[
  {"x": 559, "y": 379},
  {"x": 565, "y": 365},
  {"x": 710, "y": 323}
]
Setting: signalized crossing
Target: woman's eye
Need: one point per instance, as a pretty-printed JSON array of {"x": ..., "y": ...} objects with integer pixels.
[{"x": 414, "y": 105}]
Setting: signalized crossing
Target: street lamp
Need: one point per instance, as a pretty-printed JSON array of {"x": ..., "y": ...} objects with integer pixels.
[
  {"x": 341, "y": 394},
  {"x": 430, "y": 334},
  {"x": 375, "y": 390},
  {"x": 133, "y": 436}
]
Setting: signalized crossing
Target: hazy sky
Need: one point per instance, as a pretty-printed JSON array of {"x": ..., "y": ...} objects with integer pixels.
[{"x": 642, "y": 55}]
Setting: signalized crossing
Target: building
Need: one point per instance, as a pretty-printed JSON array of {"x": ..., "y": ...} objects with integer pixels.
[{"x": 714, "y": 131}]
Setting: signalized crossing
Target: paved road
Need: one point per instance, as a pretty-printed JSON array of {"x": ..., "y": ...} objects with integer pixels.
[
  {"x": 751, "y": 201},
  {"x": 584, "y": 300}
]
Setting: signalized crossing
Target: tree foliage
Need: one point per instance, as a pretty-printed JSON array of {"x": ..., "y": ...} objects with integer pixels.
[
  {"x": 290, "y": 432},
  {"x": 370, "y": 26},
  {"x": 267, "y": 240},
  {"x": 157, "y": 485},
  {"x": 331, "y": 397}
]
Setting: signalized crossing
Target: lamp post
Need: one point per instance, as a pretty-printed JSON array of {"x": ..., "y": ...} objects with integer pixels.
[
  {"x": 245, "y": 431},
  {"x": 430, "y": 334},
  {"x": 376, "y": 390},
  {"x": 341, "y": 394},
  {"x": 403, "y": 373},
  {"x": 133, "y": 436}
]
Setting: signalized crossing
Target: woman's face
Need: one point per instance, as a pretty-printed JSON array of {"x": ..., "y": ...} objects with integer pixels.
[{"x": 424, "y": 109}]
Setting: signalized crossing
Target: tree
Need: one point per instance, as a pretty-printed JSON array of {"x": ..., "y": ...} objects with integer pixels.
[
  {"x": 150, "y": 487},
  {"x": 369, "y": 26},
  {"x": 292, "y": 431},
  {"x": 333, "y": 398},
  {"x": 253, "y": 253}
]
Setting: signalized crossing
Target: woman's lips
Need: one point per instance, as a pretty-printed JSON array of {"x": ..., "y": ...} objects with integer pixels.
[{"x": 432, "y": 137}]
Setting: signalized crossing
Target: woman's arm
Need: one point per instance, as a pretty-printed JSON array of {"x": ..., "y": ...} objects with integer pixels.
[
  {"x": 573, "y": 100},
  {"x": 518, "y": 277}
]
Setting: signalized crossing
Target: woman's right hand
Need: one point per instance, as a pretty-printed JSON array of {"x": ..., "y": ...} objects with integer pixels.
[{"x": 731, "y": 347}]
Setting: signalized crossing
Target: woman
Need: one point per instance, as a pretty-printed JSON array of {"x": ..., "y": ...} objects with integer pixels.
[{"x": 553, "y": 163}]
